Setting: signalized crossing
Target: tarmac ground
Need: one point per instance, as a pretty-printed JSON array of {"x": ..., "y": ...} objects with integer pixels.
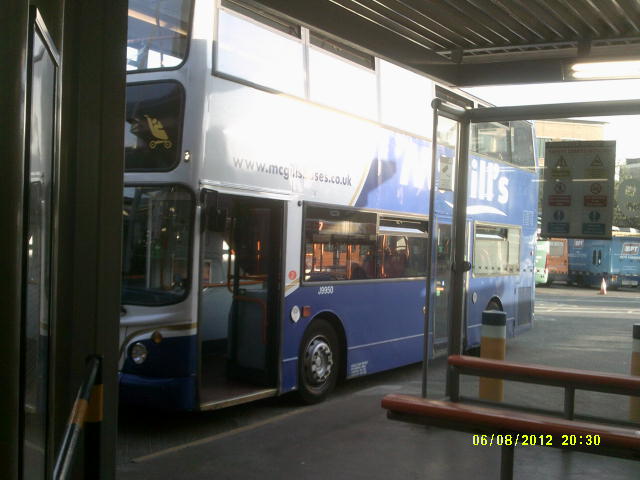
[{"x": 349, "y": 437}]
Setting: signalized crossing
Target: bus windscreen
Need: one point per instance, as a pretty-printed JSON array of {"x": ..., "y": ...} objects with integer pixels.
[{"x": 157, "y": 224}]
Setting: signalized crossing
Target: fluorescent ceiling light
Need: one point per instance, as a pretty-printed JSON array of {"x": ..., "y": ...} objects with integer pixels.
[{"x": 617, "y": 69}]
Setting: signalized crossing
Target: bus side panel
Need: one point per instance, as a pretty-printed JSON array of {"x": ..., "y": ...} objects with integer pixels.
[
  {"x": 577, "y": 261},
  {"x": 380, "y": 334},
  {"x": 627, "y": 258},
  {"x": 588, "y": 261}
]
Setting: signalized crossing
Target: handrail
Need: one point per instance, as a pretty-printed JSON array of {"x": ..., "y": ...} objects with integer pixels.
[
  {"x": 79, "y": 415},
  {"x": 240, "y": 283},
  {"x": 568, "y": 378}
]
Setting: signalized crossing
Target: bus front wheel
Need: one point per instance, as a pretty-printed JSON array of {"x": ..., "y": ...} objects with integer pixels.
[{"x": 318, "y": 363}]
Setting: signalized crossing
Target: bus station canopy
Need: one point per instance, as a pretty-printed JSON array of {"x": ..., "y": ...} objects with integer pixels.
[{"x": 479, "y": 42}]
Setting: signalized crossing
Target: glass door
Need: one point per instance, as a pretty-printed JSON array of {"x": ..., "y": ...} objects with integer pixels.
[
  {"x": 442, "y": 287},
  {"x": 39, "y": 173},
  {"x": 442, "y": 240}
]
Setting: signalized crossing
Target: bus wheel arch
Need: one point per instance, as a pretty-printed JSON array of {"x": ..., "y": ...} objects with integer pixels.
[
  {"x": 322, "y": 357},
  {"x": 494, "y": 304}
]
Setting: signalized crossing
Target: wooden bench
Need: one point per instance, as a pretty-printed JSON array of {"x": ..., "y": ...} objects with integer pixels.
[
  {"x": 498, "y": 423},
  {"x": 569, "y": 379}
]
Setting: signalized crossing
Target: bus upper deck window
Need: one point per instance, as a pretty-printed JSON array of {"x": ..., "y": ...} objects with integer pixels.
[
  {"x": 158, "y": 33},
  {"x": 153, "y": 127}
]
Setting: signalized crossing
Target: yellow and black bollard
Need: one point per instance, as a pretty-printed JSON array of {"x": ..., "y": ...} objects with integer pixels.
[
  {"x": 493, "y": 345},
  {"x": 634, "y": 402}
]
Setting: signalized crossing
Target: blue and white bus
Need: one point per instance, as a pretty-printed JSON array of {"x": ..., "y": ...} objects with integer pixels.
[
  {"x": 617, "y": 260},
  {"x": 276, "y": 215}
]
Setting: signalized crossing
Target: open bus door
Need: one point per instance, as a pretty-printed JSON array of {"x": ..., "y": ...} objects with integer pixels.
[{"x": 240, "y": 298}]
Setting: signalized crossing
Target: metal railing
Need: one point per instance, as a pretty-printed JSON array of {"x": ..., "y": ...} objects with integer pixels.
[
  {"x": 87, "y": 408},
  {"x": 567, "y": 378}
]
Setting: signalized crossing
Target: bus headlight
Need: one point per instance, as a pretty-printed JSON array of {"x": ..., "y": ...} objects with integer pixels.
[
  {"x": 295, "y": 314},
  {"x": 138, "y": 353}
]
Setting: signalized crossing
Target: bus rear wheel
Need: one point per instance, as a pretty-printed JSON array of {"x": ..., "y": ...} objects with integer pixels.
[{"x": 319, "y": 362}]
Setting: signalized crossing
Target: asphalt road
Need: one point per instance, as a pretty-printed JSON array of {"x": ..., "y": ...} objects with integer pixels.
[{"x": 348, "y": 436}]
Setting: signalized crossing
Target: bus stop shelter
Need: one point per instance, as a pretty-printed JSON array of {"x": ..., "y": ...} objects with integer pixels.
[{"x": 461, "y": 43}]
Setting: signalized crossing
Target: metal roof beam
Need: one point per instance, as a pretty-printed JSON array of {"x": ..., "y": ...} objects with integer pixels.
[
  {"x": 389, "y": 21},
  {"x": 630, "y": 10},
  {"x": 480, "y": 17},
  {"x": 331, "y": 18},
  {"x": 606, "y": 12},
  {"x": 471, "y": 32},
  {"x": 565, "y": 16},
  {"x": 524, "y": 18},
  {"x": 501, "y": 16},
  {"x": 559, "y": 29},
  {"x": 505, "y": 73},
  {"x": 420, "y": 22},
  {"x": 586, "y": 15},
  {"x": 553, "y": 111}
]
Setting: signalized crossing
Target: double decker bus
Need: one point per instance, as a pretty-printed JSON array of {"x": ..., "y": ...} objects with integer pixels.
[{"x": 276, "y": 219}]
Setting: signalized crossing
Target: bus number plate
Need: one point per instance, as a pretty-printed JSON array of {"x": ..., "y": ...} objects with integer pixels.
[{"x": 328, "y": 290}]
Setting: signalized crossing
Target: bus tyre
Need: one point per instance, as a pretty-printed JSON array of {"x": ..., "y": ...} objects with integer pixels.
[{"x": 319, "y": 362}]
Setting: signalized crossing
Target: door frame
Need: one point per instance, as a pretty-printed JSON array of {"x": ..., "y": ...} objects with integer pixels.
[{"x": 275, "y": 366}]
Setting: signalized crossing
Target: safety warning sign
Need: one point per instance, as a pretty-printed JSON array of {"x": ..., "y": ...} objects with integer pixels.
[{"x": 579, "y": 177}]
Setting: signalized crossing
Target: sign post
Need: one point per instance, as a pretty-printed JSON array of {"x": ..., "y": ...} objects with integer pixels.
[{"x": 577, "y": 198}]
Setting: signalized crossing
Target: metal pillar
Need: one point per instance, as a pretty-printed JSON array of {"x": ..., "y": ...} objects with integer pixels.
[
  {"x": 13, "y": 44},
  {"x": 460, "y": 265},
  {"x": 432, "y": 201},
  {"x": 454, "y": 113}
]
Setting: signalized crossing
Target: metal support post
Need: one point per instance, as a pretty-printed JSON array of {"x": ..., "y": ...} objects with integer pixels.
[
  {"x": 506, "y": 462},
  {"x": 432, "y": 201},
  {"x": 454, "y": 393},
  {"x": 460, "y": 266},
  {"x": 569, "y": 402}
]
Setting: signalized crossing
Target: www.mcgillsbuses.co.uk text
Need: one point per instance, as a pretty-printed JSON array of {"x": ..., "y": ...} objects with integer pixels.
[{"x": 289, "y": 172}]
